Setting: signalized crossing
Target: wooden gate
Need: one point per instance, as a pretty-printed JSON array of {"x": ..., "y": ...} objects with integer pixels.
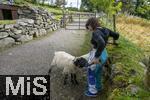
[{"x": 77, "y": 20}]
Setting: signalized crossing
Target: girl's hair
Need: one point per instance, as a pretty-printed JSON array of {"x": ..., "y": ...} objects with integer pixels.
[{"x": 93, "y": 22}]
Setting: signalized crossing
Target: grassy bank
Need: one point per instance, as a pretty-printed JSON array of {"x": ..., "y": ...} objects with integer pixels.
[{"x": 136, "y": 30}]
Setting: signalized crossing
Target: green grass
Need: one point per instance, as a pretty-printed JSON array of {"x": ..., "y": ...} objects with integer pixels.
[
  {"x": 56, "y": 11},
  {"x": 7, "y": 22},
  {"x": 127, "y": 57}
]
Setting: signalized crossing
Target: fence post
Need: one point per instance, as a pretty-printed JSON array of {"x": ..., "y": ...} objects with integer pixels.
[
  {"x": 114, "y": 22},
  {"x": 79, "y": 21}
]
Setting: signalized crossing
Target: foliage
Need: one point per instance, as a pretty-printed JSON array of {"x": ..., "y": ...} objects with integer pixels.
[
  {"x": 139, "y": 7},
  {"x": 143, "y": 9},
  {"x": 108, "y": 6},
  {"x": 86, "y": 5},
  {"x": 72, "y": 8}
]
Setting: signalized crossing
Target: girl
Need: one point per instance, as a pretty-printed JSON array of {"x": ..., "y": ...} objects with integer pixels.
[{"x": 98, "y": 55}]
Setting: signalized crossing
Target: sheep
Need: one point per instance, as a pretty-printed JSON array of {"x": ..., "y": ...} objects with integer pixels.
[{"x": 69, "y": 64}]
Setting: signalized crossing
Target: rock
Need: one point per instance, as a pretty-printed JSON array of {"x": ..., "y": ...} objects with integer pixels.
[
  {"x": 22, "y": 23},
  {"x": 133, "y": 89},
  {"x": 34, "y": 31},
  {"x": 17, "y": 31},
  {"x": 145, "y": 61},
  {"x": 26, "y": 11},
  {"x": 34, "y": 10},
  {"x": 49, "y": 30},
  {"x": 3, "y": 34},
  {"x": 16, "y": 37},
  {"x": 143, "y": 65},
  {"x": 25, "y": 21},
  {"x": 36, "y": 26},
  {"x": 6, "y": 42},
  {"x": 30, "y": 21},
  {"x": 20, "y": 11},
  {"x": 40, "y": 32},
  {"x": 10, "y": 33},
  {"x": 38, "y": 22},
  {"x": 9, "y": 26},
  {"x": 25, "y": 38},
  {"x": 1, "y": 26},
  {"x": 31, "y": 32}
]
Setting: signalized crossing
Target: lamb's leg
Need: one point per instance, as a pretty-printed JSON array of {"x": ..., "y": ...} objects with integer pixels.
[
  {"x": 73, "y": 79},
  {"x": 65, "y": 79}
]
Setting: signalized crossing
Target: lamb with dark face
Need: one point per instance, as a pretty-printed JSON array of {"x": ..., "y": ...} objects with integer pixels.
[
  {"x": 68, "y": 63},
  {"x": 81, "y": 62}
]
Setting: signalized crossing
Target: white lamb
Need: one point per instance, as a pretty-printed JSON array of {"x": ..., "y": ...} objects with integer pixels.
[{"x": 68, "y": 63}]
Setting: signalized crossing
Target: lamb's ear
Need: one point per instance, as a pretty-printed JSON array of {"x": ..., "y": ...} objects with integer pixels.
[
  {"x": 75, "y": 59},
  {"x": 75, "y": 62}
]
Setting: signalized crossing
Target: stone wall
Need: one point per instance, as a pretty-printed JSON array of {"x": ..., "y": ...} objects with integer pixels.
[{"x": 32, "y": 23}]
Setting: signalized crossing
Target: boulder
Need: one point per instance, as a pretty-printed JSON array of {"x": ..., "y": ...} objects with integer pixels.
[
  {"x": 25, "y": 38},
  {"x": 25, "y": 21},
  {"x": 22, "y": 23},
  {"x": 40, "y": 32},
  {"x": 16, "y": 37},
  {"x": 3, "y": 34},
  {"x": 38, "y": 22},
  {"x": 7, "y": 42},
  {"x": 15, "y": 31},
  {"x": 10, "y": 33},
  {"x": 49, "y": 30},
  {"x": 26, "y": 11},
  {"x": 30, "y": 21},
  {"x": 20, "y": 11},
  {"x": 1, "y": 26},
  {"x": 133, "y": 89},
  {"x": 9, "y": 26},
  {"x": 34, "y": 31}
]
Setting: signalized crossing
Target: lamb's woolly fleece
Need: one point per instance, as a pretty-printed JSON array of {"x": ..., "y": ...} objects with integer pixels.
[{"x": 64, "y": 60}]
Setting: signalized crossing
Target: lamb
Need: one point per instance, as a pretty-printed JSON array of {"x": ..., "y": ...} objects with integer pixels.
[{"x": 69, "y": 64}]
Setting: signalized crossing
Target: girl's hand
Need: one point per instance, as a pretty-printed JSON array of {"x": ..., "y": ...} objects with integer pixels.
[{"x": 95, "y": 61}]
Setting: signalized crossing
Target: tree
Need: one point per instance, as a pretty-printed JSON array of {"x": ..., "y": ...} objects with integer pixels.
[
  {"x": 143, "y": 9},
  {"x": 128, "y": 5},
  {"x": 110, "y": 7},
  {"x": 87, "y": 5}
]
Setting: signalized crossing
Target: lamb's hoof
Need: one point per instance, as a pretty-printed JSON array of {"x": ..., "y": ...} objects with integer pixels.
[{"x": 75, "y": 82}]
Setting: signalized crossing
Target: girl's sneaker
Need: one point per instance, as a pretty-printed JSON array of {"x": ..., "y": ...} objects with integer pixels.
[{"x": 89, "y": 94}]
